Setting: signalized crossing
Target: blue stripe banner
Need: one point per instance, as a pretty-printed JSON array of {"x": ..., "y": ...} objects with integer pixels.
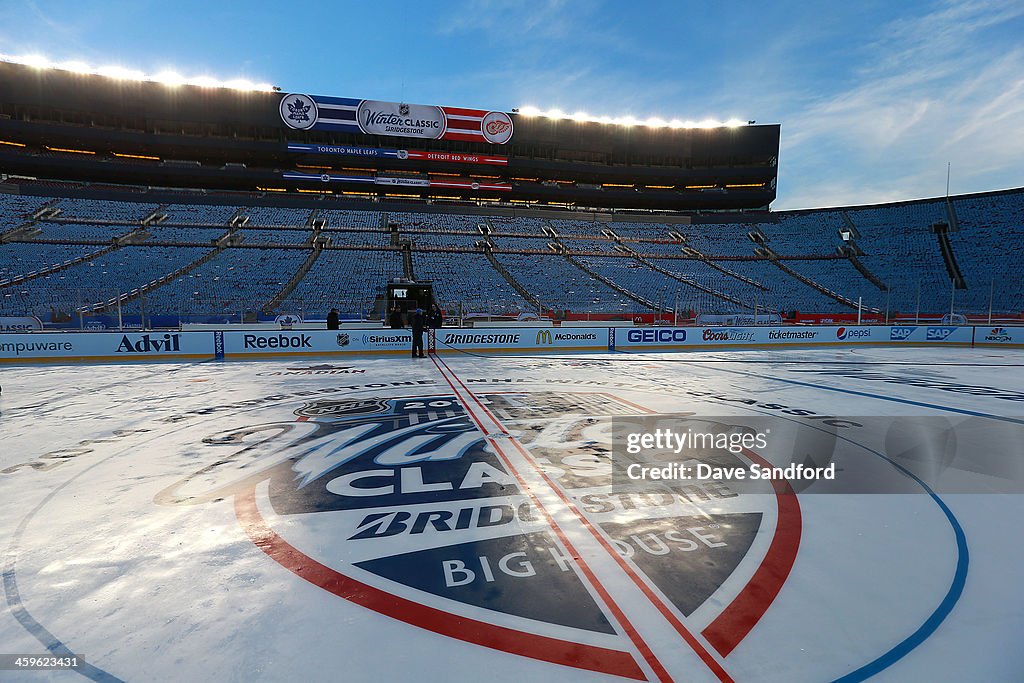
[
  {"x": 407, "y": 182},
  {"x": 346, "y": 150}
]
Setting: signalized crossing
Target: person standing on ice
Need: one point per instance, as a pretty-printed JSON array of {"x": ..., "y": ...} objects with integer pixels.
[
  {"x": 418, "y": 322},
  {"x": 332, "y": 319},
  {"x": 435, "y": 319},
  {"x": 395, "y": 318}
]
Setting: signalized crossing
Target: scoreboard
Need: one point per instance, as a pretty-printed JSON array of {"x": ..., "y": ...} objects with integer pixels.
[{"x": 408, "y": 296}]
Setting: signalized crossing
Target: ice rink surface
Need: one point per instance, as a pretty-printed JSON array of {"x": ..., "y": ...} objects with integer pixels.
[{"x": 454, "y": 520}]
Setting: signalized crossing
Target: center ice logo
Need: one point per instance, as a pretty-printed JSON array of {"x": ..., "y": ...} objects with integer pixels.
[{"x": 401, "y": 506}]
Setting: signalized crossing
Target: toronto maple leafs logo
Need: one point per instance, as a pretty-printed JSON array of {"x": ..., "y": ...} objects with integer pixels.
[{"x": 298, "y": 111}]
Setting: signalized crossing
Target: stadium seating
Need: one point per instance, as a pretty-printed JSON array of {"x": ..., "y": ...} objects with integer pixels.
[
  {"x": 100, "y": 279},
  {"x": 364, "y": 238},
  {"x": 522, "y": 243},
  {"x": 645, "y": 231},
  {"x": 656, "y": 248},
  {"x": 559, "y": 285},
  {"x": 577, "y": 244},
  {"x": 274, "y": 215},
  {"x": 234, "y": 280},
  {"x": 638, "y": 278},
  {"x": 515, "y": 226},
  {"x": 15, "y": 209},
  {"x": 443, "y": 240},
  {"x": 840, "y": 276},
  {"x": 347, "y": 279},
  {"x": 83, "y": 232},
  {"x": 901, "y": 250},
  {"x": 436, "y": 222},
  {"x": 18, "y": 259},
  {"x": 708, "y": 277},
  {"x": 784, "y": 291},
  {"x": 198, "y": 214},
  {"x": 103, "y": 211},
  {"x": 173, "y": 234},
  {"x": 717, "y": 239},
  {"x": 989, "y": 247},
  {"x": 897, "y": 244},
  {"x": 258, "y": 236},
  {"x": 578, "y": 228},
  {"x": 339, "y": 218},
  {"x": 467, "y": 283},
  {"x": 810, "y": 233}
]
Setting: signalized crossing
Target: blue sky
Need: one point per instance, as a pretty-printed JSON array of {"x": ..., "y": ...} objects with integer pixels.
[{"x": 874, "y": 97}]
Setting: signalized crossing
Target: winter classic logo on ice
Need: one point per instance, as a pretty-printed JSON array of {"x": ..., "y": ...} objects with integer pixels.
[{"x": 429, "y": 525}]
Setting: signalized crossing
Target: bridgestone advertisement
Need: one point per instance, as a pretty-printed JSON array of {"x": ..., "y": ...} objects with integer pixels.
[{"x": 522, "y": 339}]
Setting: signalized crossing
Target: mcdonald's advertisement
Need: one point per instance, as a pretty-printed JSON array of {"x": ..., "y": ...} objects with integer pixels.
[{"x": 514, "y": 338}]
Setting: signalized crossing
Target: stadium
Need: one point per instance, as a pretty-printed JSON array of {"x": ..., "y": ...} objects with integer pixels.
[{"x": 207, "y": 478}]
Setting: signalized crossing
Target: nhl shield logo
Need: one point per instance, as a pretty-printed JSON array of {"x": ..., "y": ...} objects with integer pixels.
[{"x": 427, "y": 523}]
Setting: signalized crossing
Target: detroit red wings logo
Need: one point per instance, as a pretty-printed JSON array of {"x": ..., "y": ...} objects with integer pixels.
[
  {"x": 400, "y": 505},
  {"x": 496, "y": 127}
]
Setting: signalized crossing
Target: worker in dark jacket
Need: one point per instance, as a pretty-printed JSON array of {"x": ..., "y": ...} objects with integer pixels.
[
  {"x": 332, "y": 319},
  {"x": 418, "y": 322},
  {"x": 395, "y": 318},
  {"x": 435, "y": 319}
]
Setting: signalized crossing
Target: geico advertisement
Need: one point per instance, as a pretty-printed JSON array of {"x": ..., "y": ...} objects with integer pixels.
[
  {"x": 106, "y": 345},
  {"x": 315, "y": 341},
  {"x": 523, "y": 338},
  {"x": 656, "y": 336},
  {"x": 740, "y": 336}
]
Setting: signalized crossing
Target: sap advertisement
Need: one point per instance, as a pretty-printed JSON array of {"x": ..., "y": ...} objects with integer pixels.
[
  {"x": 106, "y": 346},
  {"x": 399, "y": 119}
]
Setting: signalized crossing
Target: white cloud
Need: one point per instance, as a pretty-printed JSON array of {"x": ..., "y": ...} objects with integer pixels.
[{"x": 936, "y": 91}]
